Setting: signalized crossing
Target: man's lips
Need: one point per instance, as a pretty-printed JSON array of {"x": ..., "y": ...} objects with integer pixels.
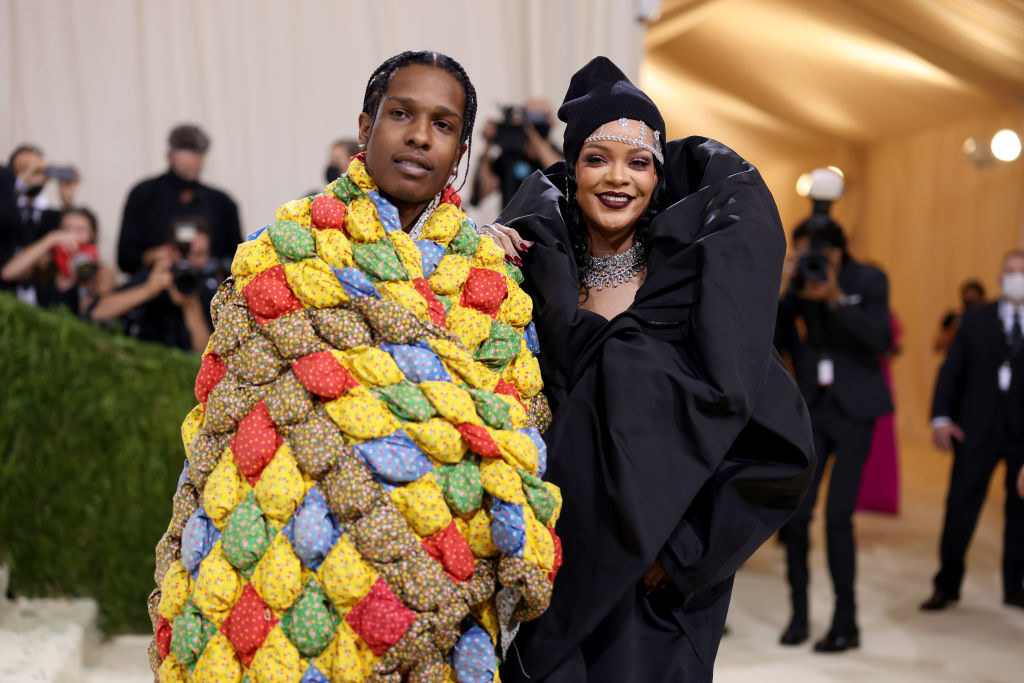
[
  {"x": 413, "y": 165},
  {"x": 615, "y": 200}
]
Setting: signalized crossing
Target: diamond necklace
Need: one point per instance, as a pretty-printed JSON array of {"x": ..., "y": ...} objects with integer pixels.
[{"x": 611, "y": 271}]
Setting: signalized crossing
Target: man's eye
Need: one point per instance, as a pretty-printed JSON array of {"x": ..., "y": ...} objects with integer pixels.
[
  {"x": 397, "y": 113},
  {"x": 444, "y": 125}
]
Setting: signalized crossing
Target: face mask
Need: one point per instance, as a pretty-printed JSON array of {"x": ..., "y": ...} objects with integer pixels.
[
  {"x": 34, "y": 191},
  {"x": 332, "y": 173},
  {"x": 1013, "y": 287}
]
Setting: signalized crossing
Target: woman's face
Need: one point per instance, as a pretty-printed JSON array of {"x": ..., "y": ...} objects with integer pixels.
[
  {"x": 79, "y": 225},
  {"x": 615, "y": 181},
  {"x": 412, "y": 148}
]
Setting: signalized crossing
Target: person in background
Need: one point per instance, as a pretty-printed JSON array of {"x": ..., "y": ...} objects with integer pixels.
[
  {"x": 338, "y": 156},
  {"x": 32, "y": 171},
  {"x": 978, "y": 414},
  {"x": 972, "y": 293},
  {"x": 169, "y": 302},
  {"x": 158, "y": 207},
  {"x": 523, "y": 147},
  {"x": 845, "y": 312},
  {"x": 62, "y": 268}
]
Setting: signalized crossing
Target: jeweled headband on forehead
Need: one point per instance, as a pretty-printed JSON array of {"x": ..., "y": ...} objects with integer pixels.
[{"x": 653, "y": 146}]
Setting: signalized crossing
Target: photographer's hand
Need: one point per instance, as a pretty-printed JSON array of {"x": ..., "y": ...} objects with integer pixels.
[
  {"x": 153, "y": 254},
  {"x": 67, "y": 190},
  {"x": 539, "y": 149},
  {"x": 823, "y": 290}
]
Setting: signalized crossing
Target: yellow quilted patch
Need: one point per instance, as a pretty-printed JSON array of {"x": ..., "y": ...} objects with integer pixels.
[
  {"x": 296, "y": 210},
  {"x": 458, "y": 361},
  {"x": 345, "y": 576},
  {"x": 174, "y": 591},
  {"x": 437, "y": 438},
  {"x": 489, "y": 255},
  {"x": 477, "y": 532},
  {"x": 516, "y": 412},
  {"x": 443, "y": 224},
  {"x": 252, "y": 257},
  {"x": 276, "y": 661},
  {"x": 361, "y": 221},
  {"x": 348, "y": 658},
  {"x": 540, "y": 549},
  {"x": 450, "y": 275},
  {"x": 218, "y": 662},
  {"x": 470, "y": 326},
  {"x": 315, "y": 284},
  {"x": 334, "y": 248},
  {"x": 453, "y": 402},
  {"x": 524, "y": 373},
  {"x": 422, "y": 504},
  {"x": 171, "y": 671},
  {"x": 280, "y": 489},
  {"x": 278, "y": 575},
  {"x": 406, "y": 296},
  {"x": 361, "y": 415},
  {"x": 370, "y": 365},
  {"x": 192, "y": 424},
  {"x": 218, "y": 586},
  {"x": 408, "y": 253},
  {"x": 501, "y": 481},
  {"x": 557, "y": 493},
  {"x": 225, "y": 489},
  {"x": 516, "y": 449},
  {"x": 517, "y": 308}
]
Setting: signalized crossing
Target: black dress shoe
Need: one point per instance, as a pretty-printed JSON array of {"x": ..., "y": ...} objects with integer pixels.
[
  {"x": 1015, "y": 599},
  {"x": 794, "y": 634},
  {"x": 939, "y": 600},
  {"x": 839, "y": 640}
]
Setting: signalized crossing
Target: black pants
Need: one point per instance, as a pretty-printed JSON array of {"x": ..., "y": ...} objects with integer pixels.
[
  {"x": 972, "y": 471},
  {"x": 849, "y": 439}
]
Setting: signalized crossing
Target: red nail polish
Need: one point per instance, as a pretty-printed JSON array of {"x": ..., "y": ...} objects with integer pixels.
[
  {"x": 518, "y": 261},
  {"x": 523, "y": 246}
]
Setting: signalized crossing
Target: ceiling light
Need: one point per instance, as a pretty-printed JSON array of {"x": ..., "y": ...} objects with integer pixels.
[
  {"x": 803, "y": 184},
  {"x": 1006, "y": 145}
]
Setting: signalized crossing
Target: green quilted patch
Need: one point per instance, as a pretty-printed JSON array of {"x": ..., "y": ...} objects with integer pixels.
[
  {"x": 501, "y": 346},
  {"x": 465, "y": 241},
  {"x": 493, "y": 410},
  {"x": 541, "y": 500},
  {"x": 311, "y": 621},
  {"x": 190, "y": 634},
  {"x": 379, "y": 261},
  {"x": 292, "y": 241},
  {"x": 461, "y": 485},
  {"x": 406, "y": 401},
  {"x": 247, "y": 534}
]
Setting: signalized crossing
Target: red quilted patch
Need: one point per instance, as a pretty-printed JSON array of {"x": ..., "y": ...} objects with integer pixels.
[
  {"x": 380, "y": 618},
  {"x": 248, "y": 624},
  {"x": 558, "y": 554},
  {"x": 269, "y": 296},
  {"x": 434, "y": 307},
  {"x": 163, "y": 637},
  {"x": 327, "y": 212},
  {"x": 450, "y": 548},
  {"x": 323, "y": 375},
  {"x": 210, "y": 372},
  {"x": 509, "y": 389},
  {"x": 484, "y": 290},
  {"x": 478, "y": 440},
  {"x": 255, "y": 442},
  {"x": 450, "y": 196}
]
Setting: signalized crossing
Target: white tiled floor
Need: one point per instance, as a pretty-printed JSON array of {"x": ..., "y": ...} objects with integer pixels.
[{"x": 978, "y": 640}]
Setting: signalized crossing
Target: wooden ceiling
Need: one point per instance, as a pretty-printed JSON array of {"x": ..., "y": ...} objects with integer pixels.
[{"x": 812, "y": 72}]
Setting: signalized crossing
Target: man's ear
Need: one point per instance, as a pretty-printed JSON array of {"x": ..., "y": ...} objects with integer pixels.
[
  {"x": 365, "y": 125},
  {"x": 458, "y": 159}
]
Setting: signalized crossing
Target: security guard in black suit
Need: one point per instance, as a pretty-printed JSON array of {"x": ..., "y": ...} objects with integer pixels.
[
  {"x": 843, "y": 308},
  {"x": 978, "y": 413}
]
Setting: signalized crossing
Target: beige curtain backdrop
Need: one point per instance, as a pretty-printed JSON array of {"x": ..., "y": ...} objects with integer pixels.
[{"x": 99, "y": 83}]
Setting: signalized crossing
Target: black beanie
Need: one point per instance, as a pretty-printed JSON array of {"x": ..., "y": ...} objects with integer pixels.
[{"x": 599, "y": 93}]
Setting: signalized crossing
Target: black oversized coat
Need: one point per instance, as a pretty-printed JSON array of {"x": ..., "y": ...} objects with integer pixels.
[{"x": 678, "y": 435}]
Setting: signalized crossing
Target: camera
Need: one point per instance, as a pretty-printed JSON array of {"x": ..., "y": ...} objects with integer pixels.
[
  {"x": 511, "y": 133},
  {"x": 62, "y": 174},
  {"x": 82, "y": 264},
  {"x": 186, "y": 275}
]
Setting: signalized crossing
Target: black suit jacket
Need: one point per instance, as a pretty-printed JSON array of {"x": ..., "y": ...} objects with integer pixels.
[
  {"x": 852, "y": 336},
  {"x": 967, "y": 389}
]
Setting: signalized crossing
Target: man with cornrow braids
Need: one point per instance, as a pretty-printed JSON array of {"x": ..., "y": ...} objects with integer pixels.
[{"x": 363, "y": 495}]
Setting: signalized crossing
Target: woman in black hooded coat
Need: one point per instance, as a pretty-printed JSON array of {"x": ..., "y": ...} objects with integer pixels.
[{"x": 679, "y": 440}]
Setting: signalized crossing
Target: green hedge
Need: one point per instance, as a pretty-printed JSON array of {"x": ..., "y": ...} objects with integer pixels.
[{"x": 90, "y": 452}]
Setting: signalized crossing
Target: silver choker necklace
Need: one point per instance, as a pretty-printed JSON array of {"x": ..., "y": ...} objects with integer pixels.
[{"x": 598, "y": 272}]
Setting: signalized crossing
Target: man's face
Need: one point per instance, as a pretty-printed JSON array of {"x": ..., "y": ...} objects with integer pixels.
[
  {"x": 340, "y": 155},
  {"x": 186, "y": 163},
  {"x": 412, "y": 147},
  {"x": 1013, "y": 264},
  {"x": 30, "y": 160}
]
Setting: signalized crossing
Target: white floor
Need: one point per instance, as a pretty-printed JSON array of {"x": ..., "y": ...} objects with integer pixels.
[{"x": 978, "y": 640}]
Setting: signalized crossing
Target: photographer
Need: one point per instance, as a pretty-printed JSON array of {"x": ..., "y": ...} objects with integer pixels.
[
  {"x": 170, "y": 302},
  {"x": 153, "y": 205},
  {"x": 521, "y": 138},
  {"x": 844, "y": 310},
  {"x": 62, "y": 268}
]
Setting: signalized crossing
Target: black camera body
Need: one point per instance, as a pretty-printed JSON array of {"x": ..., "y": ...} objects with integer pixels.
[
  {"x": 813, "y": 265},
  {"x": 511, "y": 133}
]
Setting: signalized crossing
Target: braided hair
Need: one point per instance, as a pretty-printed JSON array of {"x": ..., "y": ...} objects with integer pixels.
[{"x": 381, "y": 79}]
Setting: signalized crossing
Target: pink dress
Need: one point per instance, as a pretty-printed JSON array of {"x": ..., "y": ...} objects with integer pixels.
[{"x": 880, "y": 480}]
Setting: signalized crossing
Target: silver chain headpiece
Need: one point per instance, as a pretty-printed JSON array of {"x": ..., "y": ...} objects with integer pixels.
[{"x": 641, "y": 141}]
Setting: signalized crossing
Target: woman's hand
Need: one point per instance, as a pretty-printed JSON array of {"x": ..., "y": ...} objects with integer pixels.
[
  {"x": 655, "y": 577},
  {"x": 509, "y": 240}
]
